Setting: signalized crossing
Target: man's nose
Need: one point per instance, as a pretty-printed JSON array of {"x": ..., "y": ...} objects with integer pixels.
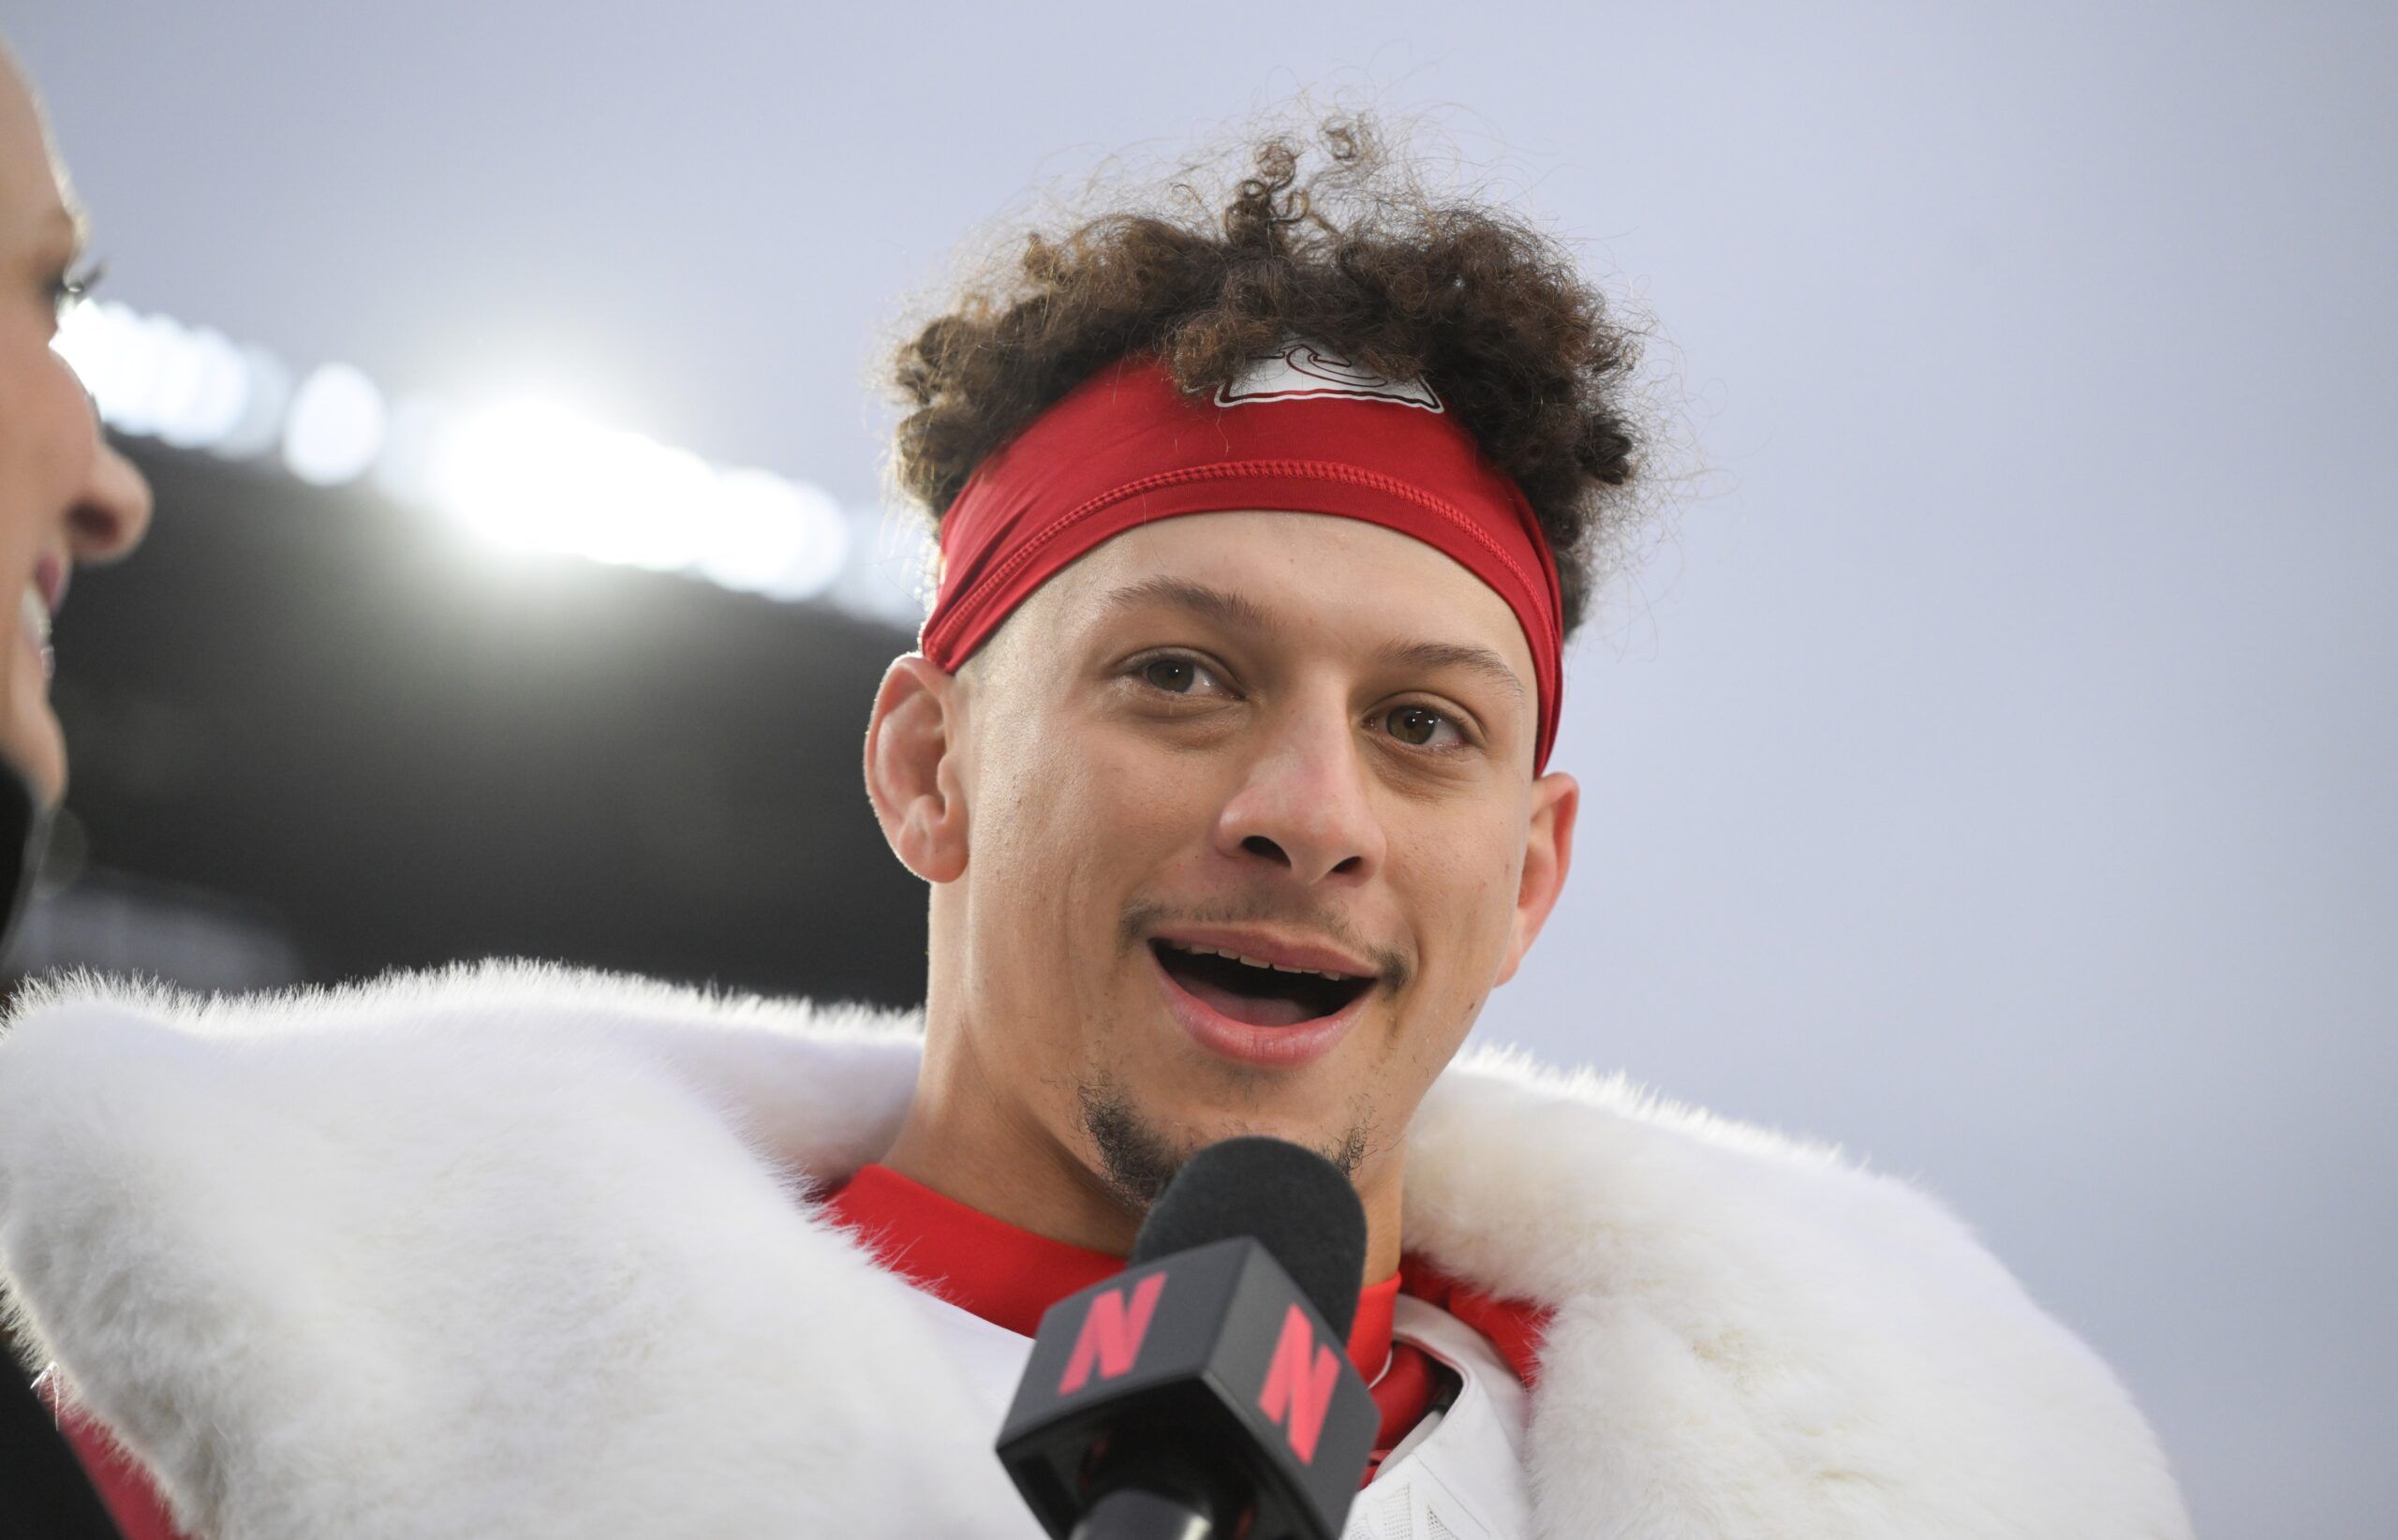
[{"x": 1306, "y": 801}]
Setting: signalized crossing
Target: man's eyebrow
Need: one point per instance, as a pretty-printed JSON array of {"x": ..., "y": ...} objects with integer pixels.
[
  {"x": 1451, "y": 654},
  {"x": 1244, "y": 613},
  {"x": 1183, "y": 593}
]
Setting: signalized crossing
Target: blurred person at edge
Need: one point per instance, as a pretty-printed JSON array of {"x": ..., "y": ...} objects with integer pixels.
[
  {"x": 1264, "y": 517},
  {"x": 67, "y": 498}
]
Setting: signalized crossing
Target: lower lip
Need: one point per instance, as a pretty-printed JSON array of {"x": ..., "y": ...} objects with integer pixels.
[{"x": 1274, "y": 1047}]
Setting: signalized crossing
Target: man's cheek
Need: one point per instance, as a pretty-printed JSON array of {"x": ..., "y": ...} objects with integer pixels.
[{"x": 1136, "y": 812}]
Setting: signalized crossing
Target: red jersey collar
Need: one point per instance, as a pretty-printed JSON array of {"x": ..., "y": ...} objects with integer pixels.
[{"x": 1010, "y": 1277}]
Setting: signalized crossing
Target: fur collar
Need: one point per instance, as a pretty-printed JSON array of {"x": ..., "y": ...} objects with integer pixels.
[{"x": 514, "y": 1250}]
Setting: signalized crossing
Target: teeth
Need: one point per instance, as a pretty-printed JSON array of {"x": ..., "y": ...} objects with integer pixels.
[
  {"x": 35, "y": 616},
  {"x": 1256, "y": 962}
]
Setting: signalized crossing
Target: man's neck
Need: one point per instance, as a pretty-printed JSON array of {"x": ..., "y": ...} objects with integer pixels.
[
  {"x": 962, "y": 1141},
  {"x": 994, "y": 1165}
]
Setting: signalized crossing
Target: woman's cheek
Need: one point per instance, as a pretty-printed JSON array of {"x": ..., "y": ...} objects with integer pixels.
[{"x": 48, "y": 435}]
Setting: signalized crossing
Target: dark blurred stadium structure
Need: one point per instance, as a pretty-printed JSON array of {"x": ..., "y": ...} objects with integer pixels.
[{"x": 312, "y": 740}]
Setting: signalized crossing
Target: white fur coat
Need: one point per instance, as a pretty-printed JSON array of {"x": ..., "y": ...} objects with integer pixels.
[{"x": 520, "y": 1251}]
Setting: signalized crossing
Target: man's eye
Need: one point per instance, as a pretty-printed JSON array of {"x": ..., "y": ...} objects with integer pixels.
[
  {"x": 1174, "y": 676},
  {"x": 1419, "y": 725}
]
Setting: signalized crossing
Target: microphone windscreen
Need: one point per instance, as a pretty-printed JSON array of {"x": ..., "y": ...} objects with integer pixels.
[{"x": 1289, "y": 1200}]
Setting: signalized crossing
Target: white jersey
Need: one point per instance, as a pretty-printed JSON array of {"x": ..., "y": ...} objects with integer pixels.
[{"x": 1458, "y": 1475}]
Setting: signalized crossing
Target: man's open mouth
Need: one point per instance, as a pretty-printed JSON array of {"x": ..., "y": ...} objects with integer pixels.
[{"x": 1260, "y": 997}]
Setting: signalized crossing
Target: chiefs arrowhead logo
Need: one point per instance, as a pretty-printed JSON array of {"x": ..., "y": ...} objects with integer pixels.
[{"x": 1304, "y": 370}]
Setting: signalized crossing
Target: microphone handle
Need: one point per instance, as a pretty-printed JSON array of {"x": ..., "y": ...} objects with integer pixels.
[{"x": 1128, "y": 1513}]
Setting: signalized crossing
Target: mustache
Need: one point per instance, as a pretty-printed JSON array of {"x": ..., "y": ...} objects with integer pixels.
[{"x": 1144, "y": 916}]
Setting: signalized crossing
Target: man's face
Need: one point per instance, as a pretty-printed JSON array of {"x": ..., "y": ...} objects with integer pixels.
[{"x": 1269, "y": 733}]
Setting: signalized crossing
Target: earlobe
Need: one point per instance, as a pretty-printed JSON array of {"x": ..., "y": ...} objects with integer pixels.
[
  {"x": 1549, "y": 854},
  {"x": 911, "y": 768}
]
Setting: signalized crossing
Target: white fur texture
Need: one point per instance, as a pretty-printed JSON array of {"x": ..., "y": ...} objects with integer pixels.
[{"x": 515, "y": 1251}]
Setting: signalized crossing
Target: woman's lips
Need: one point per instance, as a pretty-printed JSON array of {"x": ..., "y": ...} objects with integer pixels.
[
  {"x": 1275, "y": 1047},
  {"x": 45, "y": 591},
  {"x": 33, "y": 624}
]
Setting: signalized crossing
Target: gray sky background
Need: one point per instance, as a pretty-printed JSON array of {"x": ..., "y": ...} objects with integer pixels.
[{"x": 1993, "y": 773}]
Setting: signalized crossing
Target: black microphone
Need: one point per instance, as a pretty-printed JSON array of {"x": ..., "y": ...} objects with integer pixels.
[{"x": 1205, "y": 1391}]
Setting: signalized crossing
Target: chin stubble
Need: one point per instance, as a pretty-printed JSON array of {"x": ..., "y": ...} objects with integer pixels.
[{"x": 1137, "y": 1160}]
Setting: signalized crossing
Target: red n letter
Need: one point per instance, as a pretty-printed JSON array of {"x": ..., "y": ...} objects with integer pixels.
[
  {"x": 1111, "y": 1335},
  {"x": 1298, "y": 1386}
]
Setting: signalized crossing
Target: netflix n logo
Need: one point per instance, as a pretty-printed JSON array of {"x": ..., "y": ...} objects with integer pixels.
[
  {"x": 1113, "y": 1328},
  {"x": 1299, "y": 1383}
]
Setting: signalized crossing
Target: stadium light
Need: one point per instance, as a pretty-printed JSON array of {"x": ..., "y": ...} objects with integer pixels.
[
  {"x": 334, "y": 427},
  {"x": 260, "y": 426},
  {"x": 772, "y": 537},
  {"x": 213, "y": 394},
  {"x": 527, "y": 474},
  {"x": 154, "y": 378}
]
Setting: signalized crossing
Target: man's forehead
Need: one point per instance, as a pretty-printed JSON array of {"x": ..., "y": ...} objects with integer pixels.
[{"x": 1272, "y": 575}]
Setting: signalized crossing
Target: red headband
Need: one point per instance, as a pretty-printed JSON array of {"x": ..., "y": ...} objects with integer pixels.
[{"x": 1303, "y": 432}]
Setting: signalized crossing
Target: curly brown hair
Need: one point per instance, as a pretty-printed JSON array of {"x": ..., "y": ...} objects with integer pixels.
[{"x": 1468, "y": 296}]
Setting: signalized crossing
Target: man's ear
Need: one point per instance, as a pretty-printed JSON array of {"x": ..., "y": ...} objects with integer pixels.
[
  {"x": 911, "y": 767},
  {"x": 1548, "y": 850}
]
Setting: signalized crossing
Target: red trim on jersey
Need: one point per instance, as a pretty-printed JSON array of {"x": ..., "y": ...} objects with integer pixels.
[
  {"x": 1514, "y": 1327},
  {"x": 1011, "y": 1276}
]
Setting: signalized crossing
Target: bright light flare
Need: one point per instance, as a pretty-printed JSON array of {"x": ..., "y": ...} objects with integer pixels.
[
  {"x": 530, "y": 473},
  {"x": 533, "y": 475},
  {"x": 509, "y": 474},
  {"x": 115, "y": 353},
  {"x": 335, "y": 426},
  {"x": 773, "y": 537},
  {"x": 211, "y": 393},
  {"x": 153, "y": 377},
  {"x": 259, "y": 426}
]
